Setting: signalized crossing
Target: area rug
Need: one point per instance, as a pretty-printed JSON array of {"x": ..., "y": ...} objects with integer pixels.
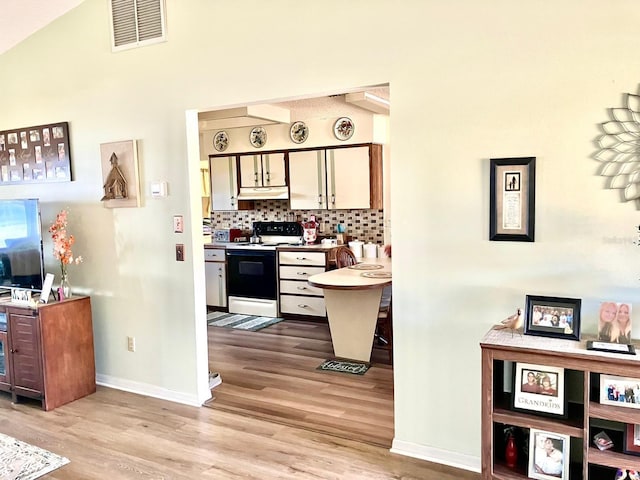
[
  {"x": 241, "y": 322},
  {"x": 354, "y": 368},
  {"x": 21, "y": 461}
]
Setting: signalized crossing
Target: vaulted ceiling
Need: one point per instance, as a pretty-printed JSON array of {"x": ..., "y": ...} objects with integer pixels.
[{"x": 19, "y": 19}]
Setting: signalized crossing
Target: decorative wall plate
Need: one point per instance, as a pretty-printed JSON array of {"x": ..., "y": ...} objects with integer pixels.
[
  {"x": 258, "y": 137},
  {"x": 343, "y": 128},
  {"x": 299, "y": 132},
  {"x": 221, "y": 141},
  {"x": 619, "y": 151}
]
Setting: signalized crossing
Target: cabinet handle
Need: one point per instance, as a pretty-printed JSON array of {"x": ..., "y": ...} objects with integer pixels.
[
  {"x": 301, "y": 273},
  {"x": 255, "y": 178},
  {"x": 233, "y": 200},
  {"x": 301, "y": 258},
  {"x": 301, "y": 288},
  {"x": 320, "y": 200},
  {"x": 302, "y": 305},
  {"x": 333, "y": 199},
  {"x": 268, "y": 177}
]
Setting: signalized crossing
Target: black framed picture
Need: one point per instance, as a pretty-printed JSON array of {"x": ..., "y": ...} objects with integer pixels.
[
  {"x": 552, "y": 317},
  {"x": 512, "y": 199},
  {"x": 539, "y": 389}
]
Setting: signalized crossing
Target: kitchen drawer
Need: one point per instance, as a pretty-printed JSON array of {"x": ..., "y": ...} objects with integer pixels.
[
  {"x": 299, "y": 288},
  {"x": 313, "y": 306},
  {"x": 214, "y": 254},
  {"x": 303, "y": 258},
  {"x": 299, "y": 273}
]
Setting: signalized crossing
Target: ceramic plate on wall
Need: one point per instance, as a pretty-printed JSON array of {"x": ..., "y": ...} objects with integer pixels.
[
  {"x": 343, "y": 128},
  {"x": 258, "y": 137},
  {"x": 298, "y": 132},
  {"x": 221, "y": 141}
]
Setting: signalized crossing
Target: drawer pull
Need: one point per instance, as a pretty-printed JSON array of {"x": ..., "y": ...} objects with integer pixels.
[
  {"x": 301, "y": 288},
  {"x": 301, "y": 273},
  {"x": 301, "y": 258},
  {"x": 302, "y": 305}
]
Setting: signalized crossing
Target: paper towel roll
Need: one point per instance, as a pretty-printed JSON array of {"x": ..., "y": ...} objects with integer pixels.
[
  {"x": 370, "y": 250},
  {"x": 356, "y": 248}
]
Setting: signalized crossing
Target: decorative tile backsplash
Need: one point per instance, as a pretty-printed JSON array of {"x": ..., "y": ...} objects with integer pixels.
[{"x": 365, "y": 225}]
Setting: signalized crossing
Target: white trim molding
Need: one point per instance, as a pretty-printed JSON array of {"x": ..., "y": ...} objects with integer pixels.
[{"x": 436, "y": 455}]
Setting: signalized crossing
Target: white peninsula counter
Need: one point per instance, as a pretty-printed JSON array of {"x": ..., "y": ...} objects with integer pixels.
[{"x": 352, "y": 296}]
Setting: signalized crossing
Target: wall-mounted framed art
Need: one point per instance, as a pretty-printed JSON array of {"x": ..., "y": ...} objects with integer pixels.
[
  {"x": 121, "y": 183},
  {"x": 512, "y": 201},
  {"x": 37, "y": 154}
]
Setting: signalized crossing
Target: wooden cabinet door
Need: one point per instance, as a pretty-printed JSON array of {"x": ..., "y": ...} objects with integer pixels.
[
  {"x": 5, "y": 376},
  {"x": 307, "y": 180},
  {"x": 348, "y": 177},
  {"x": 224, "y": 183},
  {"x": 273, "y": 171},
  {"x": 26, "y": 357}
]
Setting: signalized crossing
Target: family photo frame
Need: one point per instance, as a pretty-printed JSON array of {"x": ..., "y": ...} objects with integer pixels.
[
  {"x": 631, "y": 439},
  {"x": 548, "y": 455},
  {"x": 512, "y": 199},
  {"x": 556, "y": 317},
  {"x": 620, "y": 391},
  {"x": 539, "y": 389}
]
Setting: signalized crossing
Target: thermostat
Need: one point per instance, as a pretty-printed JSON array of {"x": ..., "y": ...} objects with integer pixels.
[{"x": 159, "y": 189}]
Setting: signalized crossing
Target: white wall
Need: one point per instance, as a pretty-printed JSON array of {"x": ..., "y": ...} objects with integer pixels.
[{"x": 469, "y": 81}]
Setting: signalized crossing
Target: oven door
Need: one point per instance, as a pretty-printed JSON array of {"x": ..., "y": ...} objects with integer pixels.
[{"x": 252, "y": 273}]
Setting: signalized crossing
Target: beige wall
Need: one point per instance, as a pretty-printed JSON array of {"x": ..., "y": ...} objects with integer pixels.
[{"x": 469, "y": 81}]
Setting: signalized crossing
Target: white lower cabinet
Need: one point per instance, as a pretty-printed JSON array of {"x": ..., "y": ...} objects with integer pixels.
[
  {"x": 297, "y": 297},
  {"x": 215, "y": 271}
]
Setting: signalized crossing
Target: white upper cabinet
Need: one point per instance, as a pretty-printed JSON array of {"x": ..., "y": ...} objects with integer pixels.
[
  {"x": 348, "y": 178},
  {"x": 307, "y": 180},
  {"x": 336, "y": 178},
  {"x": 224, "y": 183},
  {"x": 262, "y": 170}
]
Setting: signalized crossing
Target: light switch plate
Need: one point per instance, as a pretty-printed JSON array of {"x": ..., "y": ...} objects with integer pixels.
[{"x": 178, "y": 224}]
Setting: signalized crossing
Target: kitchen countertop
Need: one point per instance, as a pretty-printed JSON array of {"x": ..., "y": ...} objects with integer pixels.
[
  {"x": 351, "y": 279},
  {"x": 317, "y": 247}
]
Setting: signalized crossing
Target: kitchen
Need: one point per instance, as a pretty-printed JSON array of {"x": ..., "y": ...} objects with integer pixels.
[
  {"x": 363, "y": 214},
  {"x": 234, "y": 212}
]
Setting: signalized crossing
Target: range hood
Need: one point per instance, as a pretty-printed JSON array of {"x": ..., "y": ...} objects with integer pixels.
[{"x": 263, "y": 193}]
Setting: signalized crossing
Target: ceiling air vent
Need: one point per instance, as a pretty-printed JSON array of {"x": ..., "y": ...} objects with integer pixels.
[{"x": 136, "y": 23}]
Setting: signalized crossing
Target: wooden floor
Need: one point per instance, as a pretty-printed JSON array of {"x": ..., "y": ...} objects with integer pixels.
[
  {"x": 122, "y": 436},
  {"x": 271, "y": 374}
]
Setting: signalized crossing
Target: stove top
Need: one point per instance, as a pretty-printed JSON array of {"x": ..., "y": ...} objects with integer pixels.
[{"x": 273, "y": 234}]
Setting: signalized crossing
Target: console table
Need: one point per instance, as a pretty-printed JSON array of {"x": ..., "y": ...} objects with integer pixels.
[{"x": 46, "y": 352}]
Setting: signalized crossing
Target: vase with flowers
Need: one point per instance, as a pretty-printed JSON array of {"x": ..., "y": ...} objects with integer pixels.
[{"x": 62, "y": 243}]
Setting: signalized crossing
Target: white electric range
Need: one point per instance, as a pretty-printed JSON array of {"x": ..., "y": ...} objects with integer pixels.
[{"x": 252, "y": 268}]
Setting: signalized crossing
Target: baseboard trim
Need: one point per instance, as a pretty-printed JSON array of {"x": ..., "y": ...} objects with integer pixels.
[
  {"x": 436, "y": 455},
  {"x": 146, "y": 389}
]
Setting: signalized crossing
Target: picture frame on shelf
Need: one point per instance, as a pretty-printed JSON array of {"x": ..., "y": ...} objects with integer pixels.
[
  {"x": 631, "y": 439},
  {"x": 512, "y": 199},
  {"x": 620, "y": 391},
  {"x": 556, "y": 317},
  {"x": 539, "y": 389},
  {"x": 548, "y": 455}
]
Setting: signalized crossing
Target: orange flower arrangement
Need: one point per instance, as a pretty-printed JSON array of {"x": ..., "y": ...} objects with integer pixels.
[{"x": 62, "y": 242}]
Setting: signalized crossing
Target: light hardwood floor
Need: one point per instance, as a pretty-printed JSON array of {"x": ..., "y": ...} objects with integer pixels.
[
  {"x": 271, "y": 374},
  {"x": 122, "y": 436}
]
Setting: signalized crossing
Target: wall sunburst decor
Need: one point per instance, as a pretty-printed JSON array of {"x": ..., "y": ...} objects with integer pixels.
[{"x": 620, "y": 148}]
